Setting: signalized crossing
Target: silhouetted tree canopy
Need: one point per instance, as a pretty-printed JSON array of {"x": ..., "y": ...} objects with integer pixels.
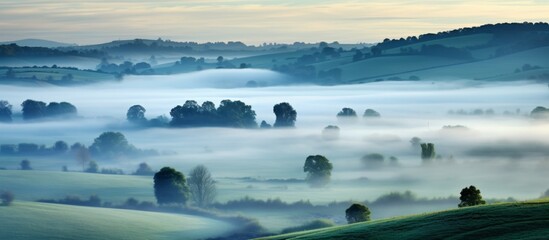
[
  {"x": 371, "y": 113},
  {"x": 60, "y": 147},
  {"x": 111, "y": 145},
  {"x": 540, "y": 112},
  {"x": 318, "y": 169},
  {"x": 5, "y": 111},
  {"x": 228, "y": 114},
  {"x": 202, "y": 186},
  {"x": 285, "y": 115},
  {"x": 330, "y": 132},
  {"x": 7, "y": 198},
  {"x": 170, "y": 187},
  {"x": 373, "y": 160},
  {"x": 470, "y": 196},
  {"x": 136, "y": 114},
  {"x": 144, "y": 170},
  {"x": 92, "y": 167},
  {"x": 346, "y": 112},
  {"x": 264, "y": 124},
  {"x": 25, "y": 165},
  {"x": 357, "y": 213},
  {"x": 427, "y": 152},
  {"x": 36, "y": 109}
]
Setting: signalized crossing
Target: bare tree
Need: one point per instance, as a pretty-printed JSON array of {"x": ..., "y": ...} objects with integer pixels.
[
  {"x": 82, "y": 155},
  {"x": 202, "y": 186}
]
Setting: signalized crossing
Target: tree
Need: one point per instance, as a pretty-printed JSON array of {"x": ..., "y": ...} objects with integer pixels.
[
  {"x": 427, "y": 152},
  {"x": 376, "y": 51},
  {"x": 110, "y": 145},
  {"x": 540, "y": 112},
  {"x": 136, "y": 114},
  {"x": 470, "y": 196},
  {"x": 415, "y": 141},
  {"x": 371, "y": 113},
  {"x": 219, "y": 60},
  {"x": 5, "y": 111},
  {"x": 170, "y": 187},
  {"x": 236, "y": 114},
  {"x": 358, "y": 56},
  {"x": 346, "y": 112},
  {"x": 62, "y": 109},
  {"x": 330, "y": 132},
  {"x": 373, "y": 160},
  {"x": 318, "y": 169},
  {"x": 25, "y": 165},
  {"x": 60, "y": 147},
  {"x": 82, "y": 154},
  {"x": 285, "y": 115},
  {"x": 265, "y": 125},
  {"x": 92, "y": 167},
  {"x": 202, "y": 186},
  {"x": 33, "y": 109},
  {"x": 6, "y": 197},
  {"x": 144, "y": 170},
  {"x": 357, "y": 213}
]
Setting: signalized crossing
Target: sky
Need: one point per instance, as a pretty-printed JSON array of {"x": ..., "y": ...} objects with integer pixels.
[{"x": 253, "y": 22}]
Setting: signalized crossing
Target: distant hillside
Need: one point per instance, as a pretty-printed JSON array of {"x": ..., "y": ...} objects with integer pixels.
[
  {"x": 38, "y": 43},
  {"x": 524, "y": 220},
  {"x": 28, "y": 220}
]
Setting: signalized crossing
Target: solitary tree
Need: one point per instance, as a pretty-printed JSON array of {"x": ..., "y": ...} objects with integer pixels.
[
  {"x": 427, "y": 152},
  {"x": 330, "y": 132},
  {"x": 357, "y": 213},
  {"x": 470, "y": 196},
  {"x": 60, "y": 147},
  {"x": 110, "y": 145},
  {"x": 82, "y": 154},
  {"x": 202, "y": 186},
  {"x": 170, "y": 187},
  {"x": 136, "y": 114},
  {"x": 25, "y": 165},
  {"x": 6, "y": 197},
  {"x": 285, "y": 115},
  {"x": 5, "y": 111},
  {"x": 144, "y": 170},
  {"x": 318, "y": 169},
  {"x": 92, "y": 167},
  {"x": 346, "y": 112},
  {"x": 371, "y": 113}
]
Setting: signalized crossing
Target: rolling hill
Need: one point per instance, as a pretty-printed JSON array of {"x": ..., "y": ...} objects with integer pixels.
[
  {"x": 28, "y": 220},
  {"x": 521, "y": 220},
  {"x": 39, "y": 43}
]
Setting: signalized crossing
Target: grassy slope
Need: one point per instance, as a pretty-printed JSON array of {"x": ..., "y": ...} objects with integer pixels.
[
  {"x": 58, "y": 73},
  {"x": 34, "y": 185},
  {"x": 27, "y": 220},
  {"x": 457, "y": 42},
  {"x": 526, "y": 220},
  {"x": 492, "y": 68}
]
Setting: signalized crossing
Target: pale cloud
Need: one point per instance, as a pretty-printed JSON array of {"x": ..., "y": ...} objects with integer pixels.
[{"x": 252, "y": 21}]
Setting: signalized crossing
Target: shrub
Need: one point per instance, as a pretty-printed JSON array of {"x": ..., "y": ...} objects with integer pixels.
[{"x": 7, "y": 198}]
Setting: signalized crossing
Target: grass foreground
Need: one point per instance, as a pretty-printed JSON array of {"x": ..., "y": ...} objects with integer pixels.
[
  {"x": 521, "y": 220},
  {"x": 30, "y": 220}
]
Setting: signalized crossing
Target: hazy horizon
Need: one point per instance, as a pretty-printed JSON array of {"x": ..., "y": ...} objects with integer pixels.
[{"x": 252, "y": 22}]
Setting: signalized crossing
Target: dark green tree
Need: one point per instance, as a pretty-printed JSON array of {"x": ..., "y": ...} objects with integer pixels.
[
  {"x": 236, "y": 114},
  {"x": 285, "y": 115},
  {"x": 5, "y": 111},
  {"x": 136, "y": 114},
  {"x": 346, "y": 112},
  {"x": 470, "y": 196},
  {"x": 357, "y": 213},
  {"x": 427, "y": 152},
  {"x": 33, "y": 109},
  {"x": 92, "y": 167},
  {"x": 318, "y": 169},
  {"x": 202, "y": 186},
  {"x": 110, "y": 145},
  {"x": 62, "y": 109},
  {"x": 373, "y": 160},
  {"x": 170, "y": 187},
  {"x": 540, "y": 112}
]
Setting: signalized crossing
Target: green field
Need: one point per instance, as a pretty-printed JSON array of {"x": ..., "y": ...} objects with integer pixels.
[
  {"x": 34, "y": 185},
  {"x": 27, "y": 220},
  {"x": 457, "y": 42},
  {"x": 56, "y": 74},
  {"x": 524, "y": 220}
]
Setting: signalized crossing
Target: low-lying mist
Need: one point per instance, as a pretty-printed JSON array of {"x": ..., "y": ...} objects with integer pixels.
[{"x": 503, "y": 155}]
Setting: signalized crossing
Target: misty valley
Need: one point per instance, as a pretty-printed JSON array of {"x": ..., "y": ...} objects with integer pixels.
[{"x": 157, "y": 139}]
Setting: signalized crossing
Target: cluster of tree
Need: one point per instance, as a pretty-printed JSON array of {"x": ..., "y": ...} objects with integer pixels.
[
  {"x": 93, "y": 167},
  {"x": 126, "y": 67},
  {"x": 503, "y": 33},
  {"x": 59, "y": 147},
  {"x": 13, "y": 50},
  {"x": 92, "y": 201},
  {"x": 377, "y": 160},
  {"x": 228, "y": 114},
  {"x": 438, "y": 50},
  {"x": 5, "y": 111},
  {"x": 33, "y": 110},
  {"x": 315, "y": 224},
  {"x": 171, "y": 187},
  {"x": 428, "y": 152},
  {"x": 112, "y": 145},
  {"x": 540, "y": 112},
  {"x": 347, "y": 113},
  {"x": 136, "y": 115},
  {"x": 255, "y": 204},
  {"x": 474, "y": 112}
]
